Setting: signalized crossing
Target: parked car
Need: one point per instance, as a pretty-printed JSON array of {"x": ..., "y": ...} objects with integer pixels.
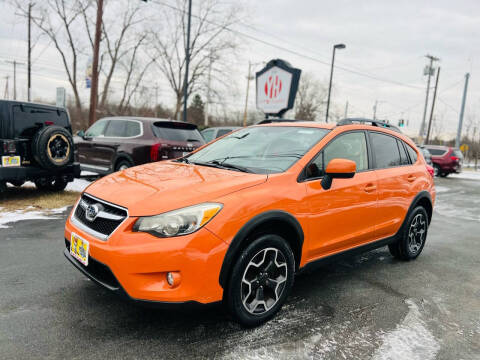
[
  {"x": 36, "y": 145},
  {"x": 216, "y": 132},
  {"x": 236, "y": 219},
  {"x": 426, "y": 154},
  {"x": 117, "y": 143},
  {"x": 446, "y": 159}
]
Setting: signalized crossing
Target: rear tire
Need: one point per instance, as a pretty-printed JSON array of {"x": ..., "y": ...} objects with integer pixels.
[
  {"x": 55, "y": 184},
  {"x": 17, "y": 183},
  {"x": 443, "y": 174},
  {"x": 412, "y": 237},
  {"x": 122, "y": 165},
  {"x": 261, "y": 280}
]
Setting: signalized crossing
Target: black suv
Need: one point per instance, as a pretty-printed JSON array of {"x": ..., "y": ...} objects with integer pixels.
[{"x": 36, "y": 145}]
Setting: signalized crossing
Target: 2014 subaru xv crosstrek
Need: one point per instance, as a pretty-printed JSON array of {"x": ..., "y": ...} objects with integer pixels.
[{"x": 236, "y": 219}]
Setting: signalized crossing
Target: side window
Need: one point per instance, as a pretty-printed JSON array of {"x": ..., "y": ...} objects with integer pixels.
[
  {"x": 222, "y": 132},
  {"x": 116, "y": 128},
  {"x": 351, "y": 146},
  {"x": 208, "y": 135},
  {"x": 133, "y": 128},
  {"x": 385, "y": 150},
  {"x": 412, "y": 153},
  {"x": 403, "y": 154},
  {"x": 96, "y": 129}
]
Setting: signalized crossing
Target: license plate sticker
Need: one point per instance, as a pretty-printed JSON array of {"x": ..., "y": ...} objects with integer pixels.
[
  {"x": 79, "y": 249},
  {"x": 8, "y": 161}
]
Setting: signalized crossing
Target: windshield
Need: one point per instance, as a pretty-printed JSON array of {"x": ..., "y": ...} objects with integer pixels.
[{"x": 261, "y": 149}]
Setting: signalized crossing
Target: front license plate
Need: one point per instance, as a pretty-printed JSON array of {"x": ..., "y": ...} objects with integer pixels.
[
  {"x": 11, "y": 161},
  {"x": 79, "y": 249}
]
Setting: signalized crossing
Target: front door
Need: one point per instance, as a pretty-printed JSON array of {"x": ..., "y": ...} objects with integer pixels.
[{"x": 343, "y": 216}]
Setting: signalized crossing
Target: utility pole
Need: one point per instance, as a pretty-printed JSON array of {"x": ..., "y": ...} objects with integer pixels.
[
  {"x": 29, "y": 87},
  {"x": 375, "y": 110},
  {"x": 187, "y": 62},
  {"x": 429, "y": 71},
  {"x": 5, "y": 94},
  {"x": 156, "y": 100},
  {"x": 462, "y": 110},
  {"x": 346, "y": 110},
  {"x": 249, "y": 77},
  {"x": 433, "y": 107},
  {"x": 15, "y": 63},
  {"x": 207, "y": 103},
  {"x": 96, "y": 49}
]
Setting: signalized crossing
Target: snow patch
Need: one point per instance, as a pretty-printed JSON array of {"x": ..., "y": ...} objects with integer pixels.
[
  {"x": 78, "y": 185},
  {"x": 410, "y": 340},
  {"x": 18, "y": 215},
  {"x": 469, "y": 175}
]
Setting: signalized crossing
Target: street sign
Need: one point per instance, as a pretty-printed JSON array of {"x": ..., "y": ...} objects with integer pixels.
[
  {"x": 464, "y": 148},
  {"x": 61, "y": 100},
  {"x": 277, "y": 85}
]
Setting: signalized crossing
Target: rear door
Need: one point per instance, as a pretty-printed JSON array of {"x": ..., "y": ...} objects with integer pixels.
[
  {"x": 396, "y": 181},
  {"x": 345, "y": 215},
  {"x": 104, "y": 148}
]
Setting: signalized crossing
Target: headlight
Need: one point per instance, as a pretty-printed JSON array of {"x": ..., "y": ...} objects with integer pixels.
[{"x": 178, "y": 222}]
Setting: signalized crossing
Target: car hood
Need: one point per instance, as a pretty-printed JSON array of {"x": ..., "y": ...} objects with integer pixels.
[{"x": 163, "y": 186}]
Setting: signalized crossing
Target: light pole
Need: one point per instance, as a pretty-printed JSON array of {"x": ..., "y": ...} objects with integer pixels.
[{"x": 335, "y": 47}]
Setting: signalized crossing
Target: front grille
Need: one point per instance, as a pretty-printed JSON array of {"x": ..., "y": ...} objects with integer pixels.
[
  {"x": 107, "y": 220},
  {"x": 98, "y": 270}
]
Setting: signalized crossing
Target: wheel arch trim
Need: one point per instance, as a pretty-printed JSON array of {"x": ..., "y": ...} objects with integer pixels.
[{"x": 248, "y": 228}]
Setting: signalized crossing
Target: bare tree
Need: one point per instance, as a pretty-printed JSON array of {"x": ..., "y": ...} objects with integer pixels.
[
  {"x": 310, "y": 98},
  {"x": 60, "y": 21},
  {"x": 210, "y": 39}
]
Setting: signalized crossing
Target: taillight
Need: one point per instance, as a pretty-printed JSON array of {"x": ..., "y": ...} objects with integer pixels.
[
  {"x": 48, "y": 123},
  {"x": 9, "y": 147},
  {"x": 155, "y": 151},
  {"x": 430, "y": 170},
  {"x": 454, "y": 158}
]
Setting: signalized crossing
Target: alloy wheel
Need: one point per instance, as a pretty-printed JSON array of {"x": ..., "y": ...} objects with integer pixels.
[
  {"x": 264, "y": 281},
  {"x": 416, "y": 233}
]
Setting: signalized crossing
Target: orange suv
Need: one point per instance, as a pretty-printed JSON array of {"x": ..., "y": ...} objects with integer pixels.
[{"x": 237, "y": 218}]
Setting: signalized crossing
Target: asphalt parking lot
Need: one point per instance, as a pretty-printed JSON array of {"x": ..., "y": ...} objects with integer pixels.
[{"x": 370, "y": 306}]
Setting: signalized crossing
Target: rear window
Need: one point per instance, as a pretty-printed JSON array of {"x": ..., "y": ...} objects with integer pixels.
[
  {"x": 27, "y": 119},
  {"x": 386, "y": 150},
  {"x": 457, "y": 153},
  {"x": 412, "y": 153},
  {"x": 403, "y": 154},
  {"x": 176, "y": 131},
  {"x": 437, "y": 152},
  {"x": 222, "y": 132}
]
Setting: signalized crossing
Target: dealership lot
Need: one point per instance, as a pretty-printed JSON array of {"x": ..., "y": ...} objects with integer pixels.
[{"x": 370, "y": 306}]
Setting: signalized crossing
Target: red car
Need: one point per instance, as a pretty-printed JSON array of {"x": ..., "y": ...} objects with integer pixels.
[{"x": 446, "y": 160}]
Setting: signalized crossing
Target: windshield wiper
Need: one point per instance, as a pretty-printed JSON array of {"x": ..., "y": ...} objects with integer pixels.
[
  {"x": 218, "y": 165},
  {"x": 184, "y": 160}
]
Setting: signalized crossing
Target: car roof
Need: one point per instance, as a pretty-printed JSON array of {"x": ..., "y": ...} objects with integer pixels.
[
  {"x": 140, "y": 118},
  {"x": 296, "y": 123}
]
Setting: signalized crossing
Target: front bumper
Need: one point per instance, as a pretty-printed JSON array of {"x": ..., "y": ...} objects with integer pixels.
[{"x": 135, "y": 265}]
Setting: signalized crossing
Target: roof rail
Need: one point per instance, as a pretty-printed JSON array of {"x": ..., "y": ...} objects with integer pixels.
[{"x": 364, "y": 121}]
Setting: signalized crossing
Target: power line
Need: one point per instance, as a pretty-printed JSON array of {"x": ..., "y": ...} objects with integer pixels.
[{"x": 305, "y": 56}]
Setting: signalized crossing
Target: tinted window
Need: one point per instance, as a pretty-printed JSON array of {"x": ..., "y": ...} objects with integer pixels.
[
  {"x": 177, "y": 132},
  {"x": 222, "y": 132},
  {"x": 351, "y": 146},
  {"x": 96, "y": 129},
  {"x": 116, "y": 128},
  {"x": 132, "y": 129},
  {"x": 27, "y": 119},
  {"x": 208, "y": 134},
  {"x": 437, "y": 152},
  {"x": 403, "y": 154},
  {"x": 385, "y": 150},
  {"x": 413, "y": 154}
]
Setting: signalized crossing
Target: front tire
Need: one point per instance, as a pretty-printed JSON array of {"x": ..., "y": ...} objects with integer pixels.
[
  {"x": 261, "y": 280},
  {"x": 413, "y": 236},
  {"x": 436, "y": 170}
]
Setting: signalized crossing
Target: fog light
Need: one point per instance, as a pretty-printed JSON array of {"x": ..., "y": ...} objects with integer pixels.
[{"x": 173, "y": 278}]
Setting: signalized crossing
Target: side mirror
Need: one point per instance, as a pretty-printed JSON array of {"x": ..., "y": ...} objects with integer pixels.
[
  {"x": 340, "y": 169},
  {"x": 81, "y": 133}
]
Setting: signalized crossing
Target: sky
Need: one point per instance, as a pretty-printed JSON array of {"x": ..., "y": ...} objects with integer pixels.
[{"x": 386, "y": 43}]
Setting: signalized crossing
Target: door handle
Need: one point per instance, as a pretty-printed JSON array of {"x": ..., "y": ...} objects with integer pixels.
[
  {"x": 370, "y": 187},
  {"x": 411, "y": 178}
]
